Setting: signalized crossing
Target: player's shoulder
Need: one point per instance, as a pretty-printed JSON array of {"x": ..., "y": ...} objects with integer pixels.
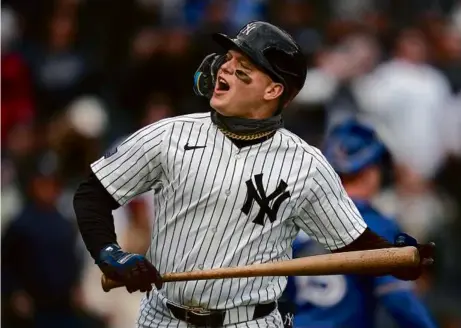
[
  {"x": 294, "y": 140},
  {"x": 302, "y": 147},
  {"x": 191, "y": 118},
  {"x": 169, "y": 122}
]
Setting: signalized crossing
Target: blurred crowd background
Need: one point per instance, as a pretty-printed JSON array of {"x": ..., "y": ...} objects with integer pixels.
[{"x": 78, "y": 75}]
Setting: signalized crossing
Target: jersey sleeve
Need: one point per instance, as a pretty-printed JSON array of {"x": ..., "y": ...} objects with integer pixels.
[
  {"x": 326, "y": 213},
  {"x": 135, "y": 165}
]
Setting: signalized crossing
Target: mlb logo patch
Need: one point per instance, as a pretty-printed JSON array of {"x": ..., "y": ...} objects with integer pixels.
[{"x": 113, "y": 147}]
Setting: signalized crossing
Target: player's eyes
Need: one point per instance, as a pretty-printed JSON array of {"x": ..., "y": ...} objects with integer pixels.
[
  {"x": 242, "y": 76},
  {"x": 245, "y": 66}
]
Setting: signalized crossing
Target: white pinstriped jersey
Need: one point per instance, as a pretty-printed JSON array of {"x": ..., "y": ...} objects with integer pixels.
[{"x": 220, "y": 206}]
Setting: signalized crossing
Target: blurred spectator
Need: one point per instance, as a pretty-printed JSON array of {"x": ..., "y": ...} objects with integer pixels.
[
  {"x": 405, "y": 100},
  {"x": 297, "y": 18},
  {"x": 194, "y": 12},
  {"x": 61, "y": 70},
  {"x": 231, "y": 14},
  {"x": 449, "y": 57},
  {"x": 172, "y": 12},
  {"x": 10, "y": 29},
  {"x": 356, "y": 56},
  {"x": 158, "y": 107},
  {"x": 75, "y": 136},
  {"x": 20, "y": 146},
  {"x": 40, "y": 267},
  {"x": 456, "y": 16},
  {"x": 17, "y": 102},
  {"x": 137, "y": 76},
  {"x": 243, "y": 11},
  {"x": 445, "y": 290},
  {"x": 12, "y": 198},
  {"x": 330, "y": 84},
  {"x": 177, "y": 70},
  {"x": 354, "y": 10},
  {"x": 214, "y": 19},
  {"x": 453, "y": 122},
  {"x": 159, "y": 61}
]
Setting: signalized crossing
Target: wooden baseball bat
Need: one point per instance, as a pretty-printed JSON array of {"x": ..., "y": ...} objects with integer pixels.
[{"x": 376, "y": 262}]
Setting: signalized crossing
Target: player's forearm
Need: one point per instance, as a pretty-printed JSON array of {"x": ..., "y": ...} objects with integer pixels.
[
  {"x": 367, "y": 240},
  {"x": 370, "y": 240},
  {"x": 93, "y": 207}
]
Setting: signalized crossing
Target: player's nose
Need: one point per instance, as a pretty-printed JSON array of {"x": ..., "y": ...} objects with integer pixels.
[{"x": 229, "y": 66}]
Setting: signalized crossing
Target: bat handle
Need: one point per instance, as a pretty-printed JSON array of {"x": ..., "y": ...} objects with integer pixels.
[{"x": 109, "y": 284}]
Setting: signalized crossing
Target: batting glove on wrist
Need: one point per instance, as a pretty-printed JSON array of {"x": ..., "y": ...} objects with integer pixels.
[
  {"x": 205, "y": 76},
  {"x": 426, "y": 255},
  {"x": 133, "y": 270}
]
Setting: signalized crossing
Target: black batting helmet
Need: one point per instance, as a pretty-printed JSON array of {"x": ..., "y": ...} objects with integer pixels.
[{"x": 273, "y": 50}]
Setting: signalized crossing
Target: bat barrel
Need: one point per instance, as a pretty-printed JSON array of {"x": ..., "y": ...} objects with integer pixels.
[{"x": 379, "y": 261}]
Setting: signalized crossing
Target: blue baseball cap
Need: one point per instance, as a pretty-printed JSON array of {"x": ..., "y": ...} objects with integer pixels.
[{"x": 351, "y": 146}]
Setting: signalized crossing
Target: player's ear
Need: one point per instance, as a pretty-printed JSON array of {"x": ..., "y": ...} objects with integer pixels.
[{"x": 273, "y": 91}]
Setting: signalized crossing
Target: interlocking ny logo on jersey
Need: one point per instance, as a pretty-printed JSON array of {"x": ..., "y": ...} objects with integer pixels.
[{"x": 258, "y": 194}]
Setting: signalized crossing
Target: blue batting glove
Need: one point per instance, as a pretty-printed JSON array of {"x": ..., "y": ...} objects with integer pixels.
[
  {"x": 402, "y": 239},
  {"x": 426, "y": 255},
  {"x": 134, "y": 270}
]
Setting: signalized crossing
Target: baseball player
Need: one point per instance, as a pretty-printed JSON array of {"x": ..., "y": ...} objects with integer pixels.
[
  {"x": 231, "y": 187},
  {"x": 351, "y": 301}
]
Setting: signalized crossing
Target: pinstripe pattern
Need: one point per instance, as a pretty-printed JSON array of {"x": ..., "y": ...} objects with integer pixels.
[{"x": 199, "y": 222}]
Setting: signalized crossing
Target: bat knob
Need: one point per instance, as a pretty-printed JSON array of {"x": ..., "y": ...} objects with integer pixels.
[{"x": 108, "y": 284}]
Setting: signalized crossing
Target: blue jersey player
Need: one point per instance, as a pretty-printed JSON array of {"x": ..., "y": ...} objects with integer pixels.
[{"x": 350, "y": 301}]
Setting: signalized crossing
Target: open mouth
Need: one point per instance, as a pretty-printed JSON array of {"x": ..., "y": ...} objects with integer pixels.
[{"x": 222, "y": 85}]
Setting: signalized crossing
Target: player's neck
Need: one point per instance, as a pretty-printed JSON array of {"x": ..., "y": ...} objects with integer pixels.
[{"x": 237, "y": 128}]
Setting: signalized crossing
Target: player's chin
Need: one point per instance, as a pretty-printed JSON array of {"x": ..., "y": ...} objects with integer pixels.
[{"x": 220, "y": 103}]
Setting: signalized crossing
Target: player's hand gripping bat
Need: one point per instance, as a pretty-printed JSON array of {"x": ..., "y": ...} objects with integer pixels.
[{"x": 375, "y": 262}]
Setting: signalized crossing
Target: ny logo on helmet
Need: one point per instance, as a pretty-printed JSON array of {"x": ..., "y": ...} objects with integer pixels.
[
  {"x": 258, "y": 194},
  {"x": 248, "y": 28}
]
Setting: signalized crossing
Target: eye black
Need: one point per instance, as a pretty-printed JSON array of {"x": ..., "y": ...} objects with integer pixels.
[{"x": 242, "y": 76}]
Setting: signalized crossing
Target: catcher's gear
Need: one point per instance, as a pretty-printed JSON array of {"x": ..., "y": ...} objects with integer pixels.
[
  {"x": 134, "y": 270},
  {"x": 273, "y": 50},
  {"x": 205, "y": 76}
]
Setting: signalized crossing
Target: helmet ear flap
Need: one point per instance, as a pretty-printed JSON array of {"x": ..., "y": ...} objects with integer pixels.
[
  {"x": 205, "y": 76},
  {"x": 216, "y": 65}
]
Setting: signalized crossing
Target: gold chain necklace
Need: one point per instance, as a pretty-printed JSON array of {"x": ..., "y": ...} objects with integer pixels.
[{"x": 245, "y": 137}]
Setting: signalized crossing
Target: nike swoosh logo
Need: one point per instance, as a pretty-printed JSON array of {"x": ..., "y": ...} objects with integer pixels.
[{"x": 187, "y": 147}]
